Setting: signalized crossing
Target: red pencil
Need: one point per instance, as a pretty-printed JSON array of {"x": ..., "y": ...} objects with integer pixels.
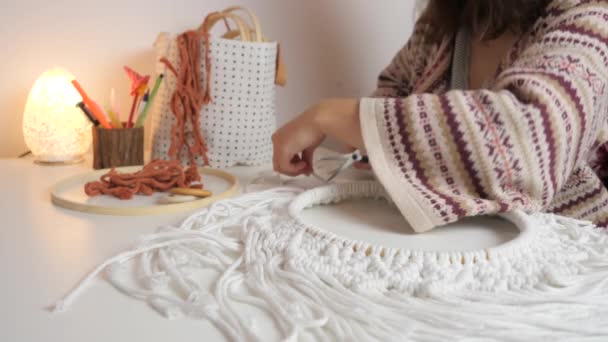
[{"x": 130, "y": 122}]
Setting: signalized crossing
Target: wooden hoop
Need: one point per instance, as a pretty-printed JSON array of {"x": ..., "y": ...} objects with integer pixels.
[{"x": 60, "y": 201}]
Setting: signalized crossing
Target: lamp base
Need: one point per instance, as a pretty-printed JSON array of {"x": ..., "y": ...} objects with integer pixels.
[{"x": 75, "y": 160}]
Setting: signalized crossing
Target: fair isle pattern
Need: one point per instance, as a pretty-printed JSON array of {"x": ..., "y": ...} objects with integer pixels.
[
  {"x": 524, "y": 143},
  {"x": 582, "y": 194}
]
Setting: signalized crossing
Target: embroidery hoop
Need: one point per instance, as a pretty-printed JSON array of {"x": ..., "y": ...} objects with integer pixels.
[
  {"x": 60, "y": 199},
  {"x": 336, "y": 193}
]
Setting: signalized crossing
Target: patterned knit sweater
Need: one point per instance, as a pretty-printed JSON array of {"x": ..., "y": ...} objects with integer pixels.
[{"x": 533, "y": 140}]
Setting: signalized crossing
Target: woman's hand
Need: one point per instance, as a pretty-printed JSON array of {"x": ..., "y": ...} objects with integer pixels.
[{"x": 295, "y": 143}]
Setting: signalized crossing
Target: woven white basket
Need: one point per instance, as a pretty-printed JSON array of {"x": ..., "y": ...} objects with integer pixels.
[{"x": 237, "y": 125}]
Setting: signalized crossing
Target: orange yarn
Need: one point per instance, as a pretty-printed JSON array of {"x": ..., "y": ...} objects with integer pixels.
[
  {"x": 189, "y": 97},
  {"x": 157, "y": 176}
]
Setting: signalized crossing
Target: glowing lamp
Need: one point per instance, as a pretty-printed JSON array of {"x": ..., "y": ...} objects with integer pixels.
[{"x": 55, "y": 130}]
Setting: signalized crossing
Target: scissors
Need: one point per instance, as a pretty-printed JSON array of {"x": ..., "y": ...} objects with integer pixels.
[{"x": 347, "y": 160}]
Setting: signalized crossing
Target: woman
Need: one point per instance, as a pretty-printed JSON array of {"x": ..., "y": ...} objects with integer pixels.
[{"x": 519, "y": 128}]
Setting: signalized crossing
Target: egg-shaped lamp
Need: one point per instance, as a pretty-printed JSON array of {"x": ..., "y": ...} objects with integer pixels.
[{"x": 54, "y": 128}]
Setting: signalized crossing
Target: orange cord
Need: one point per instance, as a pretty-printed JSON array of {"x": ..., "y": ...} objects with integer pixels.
[
  {"x": 188, "y": 98},
  {"x": 156, "y": 176}
]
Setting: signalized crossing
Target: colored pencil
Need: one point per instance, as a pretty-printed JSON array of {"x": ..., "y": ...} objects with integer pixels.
[
  {"x": 87, "y": 112},
  {"x": 92, "y": 105},
  {"x": 130, "y": 122},
  {"x": 113, "y": 112},
  {"x": 144, "y": 113},
  {"x": 142, "y": 105},
  {"x": 114, "y": 119}
]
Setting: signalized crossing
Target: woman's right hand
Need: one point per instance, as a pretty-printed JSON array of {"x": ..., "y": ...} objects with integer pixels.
[{"x": 295, "y": 143}]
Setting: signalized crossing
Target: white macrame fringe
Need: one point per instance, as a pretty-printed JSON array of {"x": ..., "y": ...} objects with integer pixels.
[{"x": 550, "y": 283}]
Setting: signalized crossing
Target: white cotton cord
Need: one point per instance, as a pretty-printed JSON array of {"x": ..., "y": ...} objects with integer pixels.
[
  {"x": 360, "y": 309},
  {"x": 549, "y": 283},
  {"x": 153, "y": 280},
  {"x": 221, "y": 294},
  {"x": 315, "y": 296},
  {"x": 163, "y": 304},
  {"x": 178, "y": 278},
  {"x": 248, "y": 203},
  {"x": 67, "y": 301},
  {"x": 207, "y": 260},
  {"x": 180, "y": 238},
  {"x": 172, "y": 308},
  {"x": 279, "y": 312},
  {"x": 302, "y": 321}
]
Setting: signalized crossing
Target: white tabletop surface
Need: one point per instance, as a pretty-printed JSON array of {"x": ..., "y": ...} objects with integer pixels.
[{"x": 45, "y": 250}]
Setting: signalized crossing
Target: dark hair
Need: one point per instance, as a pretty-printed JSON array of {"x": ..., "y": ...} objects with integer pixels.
[{"x": 491, "y": 18}]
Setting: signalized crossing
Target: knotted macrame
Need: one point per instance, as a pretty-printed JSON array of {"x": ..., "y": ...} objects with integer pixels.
[{"x": 549, "y": 283}]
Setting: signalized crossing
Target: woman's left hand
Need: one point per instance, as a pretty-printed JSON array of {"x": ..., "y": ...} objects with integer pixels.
[{"x": 295, "y": 143}]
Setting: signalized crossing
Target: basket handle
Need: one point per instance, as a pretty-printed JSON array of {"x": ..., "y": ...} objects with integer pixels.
[
  {"x": 281, "y": 73},
  {"x": 255, "y": 21},
  {"x": 236, "y": 33},
  {"x": 215, "y": 17},
  {"x": 244, "y": 31}
]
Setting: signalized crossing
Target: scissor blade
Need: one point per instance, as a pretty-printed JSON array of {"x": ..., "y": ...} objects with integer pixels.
[
  {"x": 319, "y": 177},
  {"x": 347, "y": 163},
  {"x": 335, "y": 158}
]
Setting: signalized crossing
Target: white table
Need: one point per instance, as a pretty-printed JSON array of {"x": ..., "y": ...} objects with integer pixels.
[{"x": 45, "y": 250}]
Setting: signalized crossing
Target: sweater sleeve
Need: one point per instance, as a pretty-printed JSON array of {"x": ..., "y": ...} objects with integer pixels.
[
  {"x": 399, "y": 77},
  {"x": 467, "y": 153}
]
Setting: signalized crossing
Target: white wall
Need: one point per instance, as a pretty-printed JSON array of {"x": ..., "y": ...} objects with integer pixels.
[{"x": 332, "y": 47}]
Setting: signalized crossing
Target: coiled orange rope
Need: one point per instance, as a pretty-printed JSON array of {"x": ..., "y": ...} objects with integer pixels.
[{"x": 157, "y": 176}]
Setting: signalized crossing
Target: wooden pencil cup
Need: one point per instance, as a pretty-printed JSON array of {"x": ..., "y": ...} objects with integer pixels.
[{"x": 117, "y": 147}]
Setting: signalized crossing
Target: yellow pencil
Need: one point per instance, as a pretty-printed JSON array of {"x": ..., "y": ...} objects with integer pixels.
[
  {"x": 114, "y": 119},
  {"x": 113, "y": 112}
]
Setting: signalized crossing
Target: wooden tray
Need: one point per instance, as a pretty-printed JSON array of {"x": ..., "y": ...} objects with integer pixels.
[{"x": 70, "y": 194}]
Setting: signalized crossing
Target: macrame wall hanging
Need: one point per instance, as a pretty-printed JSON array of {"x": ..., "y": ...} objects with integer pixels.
[{"x": 549, "y": 283}]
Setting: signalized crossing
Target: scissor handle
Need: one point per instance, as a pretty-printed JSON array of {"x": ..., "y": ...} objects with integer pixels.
[{"x": 359, "y": 158}]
